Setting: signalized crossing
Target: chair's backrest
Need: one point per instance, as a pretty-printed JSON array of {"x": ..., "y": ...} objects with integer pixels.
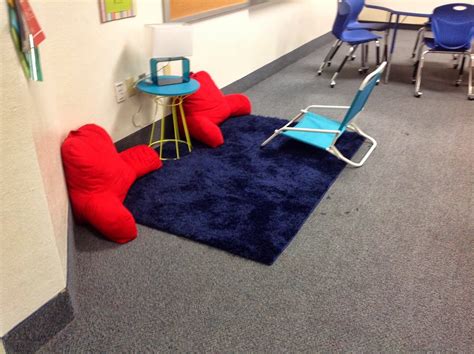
[
  {"x": 363, "y": 94},
  {"x": 452, "y": 25},
  {"x": 342, "y": 18},
  {"x": 356, "y": 8}
]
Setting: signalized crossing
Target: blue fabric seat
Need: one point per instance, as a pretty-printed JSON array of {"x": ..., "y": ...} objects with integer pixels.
[
  {"x": 354, "y": 37},
  {"x": 347, "y": 12},
  {"x": 453, "y": 32},
  {"x": 323, "y": 132},
  {"x": 315, "y": 121},
  {"x": 354, "y": 24},
  {"x": 370, "y": 26},
  {"x": 431, "y": 43}
]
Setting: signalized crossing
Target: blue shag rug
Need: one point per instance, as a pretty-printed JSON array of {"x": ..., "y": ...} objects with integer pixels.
[{"x": 240, "y": 198}]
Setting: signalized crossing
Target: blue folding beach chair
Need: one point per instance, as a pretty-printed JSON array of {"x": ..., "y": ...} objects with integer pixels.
[{"x": 323, "y": 132}]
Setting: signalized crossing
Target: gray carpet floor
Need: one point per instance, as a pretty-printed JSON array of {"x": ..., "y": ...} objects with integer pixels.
[{"x": 384, "y": 263}]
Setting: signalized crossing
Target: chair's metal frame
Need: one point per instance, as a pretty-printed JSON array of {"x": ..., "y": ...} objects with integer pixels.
[
  {"x": 337, "y": 133},
  {"x": 417, "y": 41},
  {"x": 350, "y": 55},
  {"x": 460, "y": 65}
]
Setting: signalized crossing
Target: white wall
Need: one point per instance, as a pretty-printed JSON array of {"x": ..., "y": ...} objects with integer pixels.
[
  {"x": 81, "y": 60},
  {"x": 30, "y": 267}
]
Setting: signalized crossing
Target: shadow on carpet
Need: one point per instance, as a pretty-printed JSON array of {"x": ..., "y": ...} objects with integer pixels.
[{"x": 239, "y": 198}]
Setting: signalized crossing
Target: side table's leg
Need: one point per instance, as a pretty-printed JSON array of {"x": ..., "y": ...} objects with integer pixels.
[
  {"x": 185, "y": 125},
  {"x": 175, "y": 126},
  {"x": 152, "y": 133},
  {"x": 162, "y": 134}
]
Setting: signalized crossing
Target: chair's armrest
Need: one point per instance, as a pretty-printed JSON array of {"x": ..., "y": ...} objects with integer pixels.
[
  {"x": 307, "y": 109},
  {"x": 310, "y": 130}
]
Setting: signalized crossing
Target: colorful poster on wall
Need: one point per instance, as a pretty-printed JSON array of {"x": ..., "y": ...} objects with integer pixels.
[
  {"x": 26, "y": 34},
  {"x": 111, "y": 10}
]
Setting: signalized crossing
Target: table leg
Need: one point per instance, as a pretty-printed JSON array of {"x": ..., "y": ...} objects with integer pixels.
[
  {"x": 392, "y": 47},
  {"x": 387, "y": 36},
  {"x": 185, "y": 126},
  {"x": 152, "y": 133},
  {"x": 162, "y": 135},
  {"x": 175, "y": 126}
]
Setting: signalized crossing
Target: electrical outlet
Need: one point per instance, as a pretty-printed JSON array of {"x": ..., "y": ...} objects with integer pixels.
[
  {"x": 120, "y": 92},
  {"x": 130, "y": 85}
]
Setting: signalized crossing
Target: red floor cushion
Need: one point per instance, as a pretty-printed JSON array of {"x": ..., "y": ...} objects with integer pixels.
[
  {"x": 208, "y": 107},
  {"x": 98, "y": 179}
]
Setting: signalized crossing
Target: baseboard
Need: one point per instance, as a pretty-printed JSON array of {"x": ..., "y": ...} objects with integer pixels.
[
  {"x": 143, "y": 135},
  {"x": 41, "y": 326},
  {"x": 37, "y": 329},
  {"x": 139, "y": 137},
  {"x": 71, "y": 258}
]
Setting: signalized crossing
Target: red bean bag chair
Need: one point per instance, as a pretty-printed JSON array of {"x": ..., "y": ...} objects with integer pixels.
[
  {"x": 208, "y": 107},
  {"x": 98, "y": 179}
]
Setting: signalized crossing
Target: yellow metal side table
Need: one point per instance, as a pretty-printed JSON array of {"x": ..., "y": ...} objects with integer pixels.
[{"x": 176, "y": 93}]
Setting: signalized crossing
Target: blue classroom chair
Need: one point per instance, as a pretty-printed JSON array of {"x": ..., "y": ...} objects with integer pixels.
[
  {"x": 453, "y": 31},
  {"x": 347, "y": 10},
  {"x": 322, "y": 132},
  {"x": 354, "y": 24}
]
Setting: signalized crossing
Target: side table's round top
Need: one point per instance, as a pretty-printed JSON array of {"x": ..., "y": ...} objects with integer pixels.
[{"x": 186, "y": 88}]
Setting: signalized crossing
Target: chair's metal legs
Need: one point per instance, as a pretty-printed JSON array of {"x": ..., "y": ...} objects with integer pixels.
[
  {"x": 470, "y": 94},
  {"x": 462, "y": 57},
  {"x": 377, "y": 52},
  {"x": 333, "y": 150},
  {"x": 418, "y": 93},
  {"x": 332, "y": 52},
  {"x": 415, "y": 71},
  {"x": 349, "y": 54},
  {"x": 461, "y": 69},
  {"x": 417, "y": 41},
  {"x": 273, "y": 136},
  {"x": 458, "y": 59},
  {"x": 418, "y": 55},
  {"x": 364, "y": 58},
  {"x": 279, "y": 131}
]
